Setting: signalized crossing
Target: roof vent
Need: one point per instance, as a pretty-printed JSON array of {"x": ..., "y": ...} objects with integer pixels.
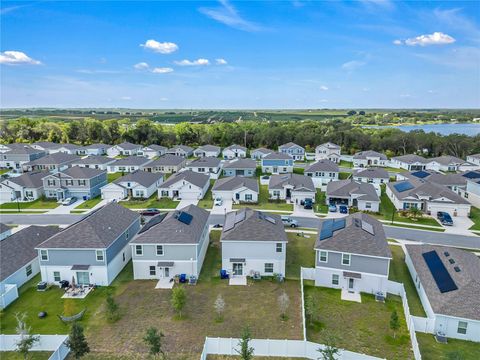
[
  {"x": 446, "y": 253},
  {"x": 451, "y": 261},
  {"x": 457, "y": 269}
]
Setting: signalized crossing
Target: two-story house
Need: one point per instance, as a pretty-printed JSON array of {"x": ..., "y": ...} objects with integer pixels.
[
  {"x": 19, "y": 156},
  {"x": 139, "y": 184},
  {"x": 322, "y": 172},
  {"x": 295, "y": 151},
  {"x": 54, "y": 162},
  {"x": 207, "y": 165},
  {"x": 240, "y": 167},
  {"x": 352, "y": 254},
  {"x": 277, "y": 163},
  {"x": 375, "y": 176},
  {"x": 328, "y": 151},
  {"x": 91, "y": 251}
]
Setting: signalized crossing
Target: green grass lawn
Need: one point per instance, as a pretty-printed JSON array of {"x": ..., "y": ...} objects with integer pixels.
[
  {"x": 265, "y": 204},
  {"x": 475, "y": 217},
  {"x": 432, "y": 350},
  {"x": 207, "y": 201},
  {"x": 437, "y": 229},
  {"x": 399, "y": 273},
  {"x": 299, "y": 171},
  {"x": 345, "y": 164},
  {"x": 299, "y": 253},
  {"x": 33, "y": 355},
  {"x": 89, "y": 203},
  {"x": 152, "y": 202},
  {"x": 344, "y": 175},
  {"x": 320, "y": 199},
  {"x": 113, "y": 176},
  {"x": 360, "y": 327},
  {"x": 37, "y": 204},
  {"x": 3, "y": 171}
]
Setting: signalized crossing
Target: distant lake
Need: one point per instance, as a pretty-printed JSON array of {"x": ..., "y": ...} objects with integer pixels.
[{"x": 444, "y": 129}]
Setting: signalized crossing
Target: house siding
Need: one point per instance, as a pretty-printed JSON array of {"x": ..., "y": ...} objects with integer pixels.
[{"x": 364, "y": 264}]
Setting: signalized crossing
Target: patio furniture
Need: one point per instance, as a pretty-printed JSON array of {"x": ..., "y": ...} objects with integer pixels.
[
  {"x": 68, "y": 319},
  {"x": 183, "y": 278},
  {"x": 224, "y": 274}
]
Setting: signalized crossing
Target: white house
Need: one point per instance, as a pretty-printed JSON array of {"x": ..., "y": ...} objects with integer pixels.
[
  {"x": 181, "y": 150},
  {"x": 293, "y": 188},
  {"x": 96, "y": 149},
  {"x": 448, "y": 284},
  {"x": 185, "y": 185},
  {"x": 26, "y": 187},
  {"x": 237, "y": 189},
  {"x": 207, "y": 151},
  {"x": 45, "y": 146},
  {"x": 352, "y": 254},
  {"x": 129, "y": 164},
  {"x": 259, "y": 153},
  {"x": 474, "y": 159},
  {"x": 206, "y": 165},
  {"x": 410, "y": 162},
  {"x": 139, "y": 184},
  {"x": 234, "y": 151},
  {"x": 152, "y": 151},
  {"x": 328, "y": 151},
  {"x": 166, "y": 164},
  {"x": 170, "y": 244},
  {"x": 19, "y": 262},
  {"x": 352, "y": 193},
  {"x": 449, "y": 163},
  {"x": 253, "y": 242},
  {"x": 322, "y": 172},
  {"x": 295, "y": 151},
  {"x": 94, "y": 162},
  {"x": 123, "y": 149},
  {"x": 369, "y": 158}
]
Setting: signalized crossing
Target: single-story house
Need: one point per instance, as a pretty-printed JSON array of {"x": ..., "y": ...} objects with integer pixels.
[
  {"x": 181, "y": 150},
  {"x": 328, "y": 151},
  {"x": 5, "y": 231},
  {"x": 369, "y": 158},
  {"x": 19, "y": 156},
  {"x": 71, "y": 149},
  {"x": 240, "y": 167},
  {"x": 185, "y": 185},
  {"x": 322, "y": 172},
  {"x": 295, "y": 151},
  {"x": 352, "y": 254},
  {"x": 207, "y": 165},
  {"x": 91, "y": 251},
  {"x": 128, "y": 164},
  {"x": 372, "y": 175},
  {"x": 410, "y": 162},
  {"x": 207, "y": 151},
  {"x": 234, "y": 151},
  {"x": 170, "y": 244},
  {"x": 253, "y": 242},
  {"x": 448, "y": 285},
  {"x": 123, "y": 149},
  {"x": 352, "y": 193},
  {"x": 456, "y": 182},
  {"x": 259, "y": 153},
  {"x": 26, "y": 187},
  {"x": 45, "y": 146},
  {"x": 166, "y": 164},
  {"x": 449, "y": 163},
  {"x": 138, "y": 184},
  {"x": 19, "y": 259},
  {"x": 474, "y": 159},
  {"x": 237, "y": 189},
  {"x": 54, "y": 162},
  {"x": 152, "y": 151},
  {"x": 294, "y": 188},
  {"x": 277, "y": 163},
  {"x": 96, "y": 149},
  {"x": 94, "y": 162}
]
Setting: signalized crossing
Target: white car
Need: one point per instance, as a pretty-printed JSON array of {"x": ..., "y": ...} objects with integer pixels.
[
  {"x": 288, "y": 221},
  {"x": 69, "y": 201},
  {"x": 218, "y": 202}
]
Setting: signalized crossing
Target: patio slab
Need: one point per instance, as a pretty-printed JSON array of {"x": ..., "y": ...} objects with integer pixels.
[
  {"x": 164, "y": 283},
  {"x": 81, "y": 294},
  {"x": 351, "y": 296},
  {"x": 238, "y": 281}
]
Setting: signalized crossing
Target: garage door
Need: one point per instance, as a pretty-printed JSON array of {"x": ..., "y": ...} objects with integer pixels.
[
  {"x": 190, "y": 195},
  {"x": 112, "y": 195},
  {"x": 453, "y": 211}
]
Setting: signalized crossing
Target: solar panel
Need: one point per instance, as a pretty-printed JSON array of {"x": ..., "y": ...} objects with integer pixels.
[
  {"x": 439, "y": 272},
  {"x": 421, "y": 174},
  {"x": 368, "y": 227},
  {"x": 185, "y": 217},
  {"x": 472, "y": 175},
  {"x": 404, "y": 186},
  {"x": 240, "y": 215},
  {"x": 338, "y": 224},
  {"x": 327, "y": 229}
]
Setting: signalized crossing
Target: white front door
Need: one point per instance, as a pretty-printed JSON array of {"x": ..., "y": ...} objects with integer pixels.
[
  {"x": 164, "y": 272},
  {"x": 238, "y": 269},
  {"x": 351, "y": 282}
]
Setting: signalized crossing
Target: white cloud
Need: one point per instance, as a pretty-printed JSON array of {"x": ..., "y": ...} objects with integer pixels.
[
  {"x": 198, "y": 62},
  {"x": 162, "y": 70},
  {"x": 126, "y": 98},
  {"x": 17, "y": 58},
  {"x": 324, "y": 88},
  {"x": 437, "y": 38},
  {"x": 141, "y": 66},
  {"x": 160, "y": 47},
  {"x": 353, "y": 65},
  {"x": 227, "y": 14},
  {"x": 221, "y": 61}
]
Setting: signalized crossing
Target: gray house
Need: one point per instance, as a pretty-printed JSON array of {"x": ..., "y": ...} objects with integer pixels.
[
  {"x": 352, "y": 254},
  {"x": 322, "y": 172},
  {"x": 295, "y": 151},
  {"x": 171, "y": 244},
  {"x": 91, "y": 251},
  {"x": 128, "y": 164},
  {"x": 26, "y": 187},
  {"x": 181, "y": 150},
  {"x": 54, "y": 162},
  {"x": 75, "y": 181},
  {"x": 207, "y": 165},
  {"x": 94, "y": 162},
  {"x": 240, "y": 167},
  {"x": 20, "y": 155},
  {"x": 353, "y": 193},
  {"x": 165, "y": 164},
  {"x": 96, "y": 149}
]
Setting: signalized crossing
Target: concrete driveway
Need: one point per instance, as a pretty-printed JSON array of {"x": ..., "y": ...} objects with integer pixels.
[
  {"x": 65, "y": 209},
  {"x": 461, "y": 224},
  {"x": 299, "y": 210},
  {"x": 185, "y": 202},
  {"x": 222, "y": 209}
]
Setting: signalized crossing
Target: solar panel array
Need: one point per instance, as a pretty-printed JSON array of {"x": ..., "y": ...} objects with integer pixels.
[
  {"x": 185, "y": 217},
  {"x": 404, "y": 186},
  {"x": 439, "y": 272},
  {"x": 329, "y": 226},
  {"x": 421, "y": 174},
  {"x": 472, "y": 175}
]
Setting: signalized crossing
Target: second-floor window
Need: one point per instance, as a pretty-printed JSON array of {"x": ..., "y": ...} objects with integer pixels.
[
  {"x": 322, "y": 256},
  {"x": 68, "y": 182},
  {"x": 160, "y": 250},
  {"x": 99, "y": 254},
  {"x": 51, "y": 182},
  {"x": 82, "y": 182},
  {"x": 279, "y": 247},
  {"x": 44, "y": 255},
  {"x": 346, "y": 259},
  {"x": 138, "y": 250}
]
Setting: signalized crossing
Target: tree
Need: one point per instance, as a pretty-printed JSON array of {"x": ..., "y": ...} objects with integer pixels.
[
  {"x": 27, "y": 340},
  {"x": 178, "y": 300},
  {"x": 246, "y": 351},
  {"x": 329, "y": 350},
  {"x": 153, "y": 338},
  {"x": 310, "y": 307},
  {"x": 283, "y": 303},
  {"x": 112, "y": 309},
  {"x": 219, "y": 307},
  {"x": 76, "y": 341},
  {"x": 394, "y": 322}
]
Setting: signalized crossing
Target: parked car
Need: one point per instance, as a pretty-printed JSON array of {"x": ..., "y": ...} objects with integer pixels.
[
  {"x": 218, "y": 202},
  {"x": 332, "y": 208},
  {"x": 265, "y": 177},
  {"x": 308, "y": 204},
  {"x": 69, "y": 201},
  {"x": 343, "y": 209},
  {"x": 445, "y": 218},
  {"x": 288, "y": 221},
  {"x": 150, "y": 212}
]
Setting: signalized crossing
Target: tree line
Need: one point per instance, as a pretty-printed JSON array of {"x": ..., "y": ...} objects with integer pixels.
[{"x": 253, "y": 134}]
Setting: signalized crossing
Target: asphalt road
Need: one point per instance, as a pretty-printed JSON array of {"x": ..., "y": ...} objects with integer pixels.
[{"x": 431, "y": 237}]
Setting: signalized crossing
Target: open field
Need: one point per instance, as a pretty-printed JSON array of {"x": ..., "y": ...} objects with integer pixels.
[{"x": 265, "y": 204}]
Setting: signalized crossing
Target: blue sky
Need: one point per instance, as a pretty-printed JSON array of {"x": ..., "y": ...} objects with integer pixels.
[{"x": 235, "y": 55}]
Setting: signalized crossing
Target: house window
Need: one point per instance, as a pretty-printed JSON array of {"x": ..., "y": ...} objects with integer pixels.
[
  {"x": 81, "y": 182},
  {"x": 123, "y": 256},
  {"x": 164, "y": 193},
  {"x": 368, "y": 205},
  {"x": 269, "y": 268},
  {"x": 322, "y": 256},
  {"x": 279, "y": 248},
  {"x": 248, "y": 197},
  {"x": 29, "y": 194},
  {"x": 335, "y": 279},
  {"x": 99, "y": 254},
  {"x": 28, "y": 269},
  {"x": 160, "y": 250},
  {"x": 127, "y": 234},
  {"x": 69, "y": 182},
  {"x": 462, "y": 327},
  {"x": 139, "y": 250},
  {"x": 153, "y": 271},
  {"x": 276, "y": 193},
  {"x": 346, "y": 259},
  {"x": 44, "y": 255},
  {"x": 51, "y": 182},
  {"x": 56, "y": 276}
]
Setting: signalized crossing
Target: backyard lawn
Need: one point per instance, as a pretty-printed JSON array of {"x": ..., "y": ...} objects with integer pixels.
[
  {"x": 37, "y": 204},
  {"x": 299, "y": 253},
  {"x": 265, "y": 204},
  {"x": 89, "y": 203},
  {"x": 207, "y": 201},
  {"x": 399, "y": 273},
  {"x": 33, "y": 355},
  {"x": 345, "y": 164},
  {"x": 113, "y": 176},
  {"x": 344, "y": 175},
  {"x": 475, "y": 217},
  {"x": 360, "y": 327},
  {"x": 152, "y": 202},
  {"x": 432, "y": 350}
]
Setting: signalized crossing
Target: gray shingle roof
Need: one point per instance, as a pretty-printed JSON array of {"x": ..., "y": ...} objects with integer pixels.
[
  {"x": 128, "y": 146},
  {"x": 77, "y": 172},
  {"x": 185, "y": 148},
  {"x": 447, "y": 160},
  {"x": 372, "y": 173},
  {"x": 299, "y": 182},
  {"x": 144, "y": 178},
  {"x": 289, "y": 145},
  {"x": 322, "y": 165},
  {"x": 240, "y": 164},
  {"x": 330, "y": 145},
  {"x": 46, "y": 144},
  {"x": 23, "y": 150},
  {"x": 54, "y": 159},
  {"x": 28, "y": 180},
  {"x": 97, "y": 230},
  {"x": 97, "y": 146},
  {"x": 156, "y": 147},
  {"x": 132, "y": 161},
  {"x": 463, "y": 302},
  {"x": 410, "y": 159},
  {"x": 18, "y": 249},
  {"x": 192, "y": 177},
  {"x": 69, "y": 146},
  {"x": 346, "y": 188},
  {"x": 235, "y": 146},
  {"x": 167, "y": 160},
  {"x": 208, "y": 162},
  {"x": 172, "y": 231},
  {"x": 353, "y": 238},
  {"x": 277, "y": 156},
  {"x": 94, "y": 160},
  {"x": 208, "y": 148},
  {"x": 253, "y": 225},
  {"x": 4, "y": 228},
  {"x": 235, "y": 182},
  {"x": 262, "y": 150},
  {"x": 369, "y": 153}
]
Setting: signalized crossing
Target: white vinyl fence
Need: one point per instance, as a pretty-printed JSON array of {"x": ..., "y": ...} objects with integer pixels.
[
  {"x": 9, "y": 294},
  {"x": 280, "y": 348},
  {"x": 54, "y": 343}
]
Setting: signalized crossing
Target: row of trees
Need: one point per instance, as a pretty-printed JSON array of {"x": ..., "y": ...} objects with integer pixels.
[{"x": 252, "y": 134}]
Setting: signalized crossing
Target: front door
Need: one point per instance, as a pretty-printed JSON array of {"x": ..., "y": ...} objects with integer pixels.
[
  {"x": 350, "y": 283},
  {"x": 83, "y": 278},
  {"x": 175, "y": 193},
  {"x": 275, "y": 169},
  {"x": 289, "y": 193},
  {"x": 237, "y": 196},
  {"x": 166, "y": 272},
  {"x": 238, "y": 269}
]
